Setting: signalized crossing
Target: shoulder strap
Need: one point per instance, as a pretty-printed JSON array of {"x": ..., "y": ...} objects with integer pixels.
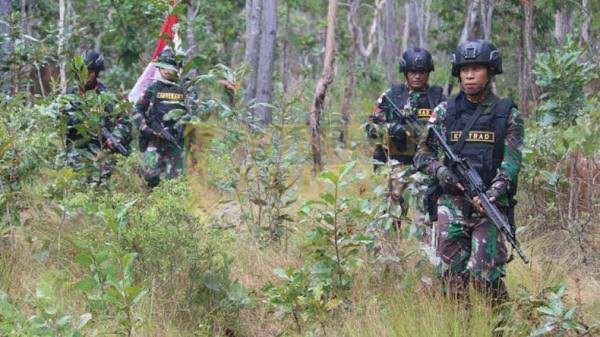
[{"x": 434, "y": 95}]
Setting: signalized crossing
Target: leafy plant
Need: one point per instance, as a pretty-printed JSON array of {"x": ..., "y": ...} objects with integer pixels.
[
  {"x": 111, "y": 285},
  {"x": 319, "y": 287},
  {"x": 49, "y": 320},
  {"x": 544, "y": 314}
]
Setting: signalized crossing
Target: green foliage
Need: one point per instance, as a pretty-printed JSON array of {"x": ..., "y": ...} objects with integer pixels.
[
  {"x": 27, "y": 136},
  {"x": 318, "y": 288},
  {"x": 48, "y": 321},
  {"x": 172, "y": 243},
  {"x": 562, "y": 76},
  {"x": 568, "y": 117},
  {"x": 544, "y": 314},
  {"x": 110, "y": 286}
]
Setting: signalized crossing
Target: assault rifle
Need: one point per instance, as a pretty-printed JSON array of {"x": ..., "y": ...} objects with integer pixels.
[
  {"x": 471, "y": 181},
  {"x": 159, "y": 128},
  {"x": 114, "y": 143}
]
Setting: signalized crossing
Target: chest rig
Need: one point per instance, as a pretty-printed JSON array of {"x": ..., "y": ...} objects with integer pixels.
[
  {"x": 404, "y": 149},
  {"x": 483, "y": 143},
  {"x": 168, "y": 97}
]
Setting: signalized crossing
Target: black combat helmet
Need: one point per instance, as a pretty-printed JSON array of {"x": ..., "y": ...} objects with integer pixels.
[
  {"x": 476, "y": 52},
  {"x": 94, "y": 61},
  {"x": 166, "y": 60},
  {"x": 415, "y": 59}
]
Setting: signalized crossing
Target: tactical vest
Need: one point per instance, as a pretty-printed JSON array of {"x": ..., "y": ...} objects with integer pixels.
[
  {"x": 167, "y": 97},
  {"x": 484, "y": 144},
  {"x": 404, "y": 150}
]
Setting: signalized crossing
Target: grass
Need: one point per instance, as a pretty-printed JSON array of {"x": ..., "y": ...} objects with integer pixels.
[{"x": 386, "y": 300}]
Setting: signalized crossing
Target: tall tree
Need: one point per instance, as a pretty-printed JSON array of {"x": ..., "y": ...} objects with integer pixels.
[
  {"x": 4, "y": 30},
  {"x": 266, "y": 56},
  {"x": 528, "y": 92},
  {"x": 253, "y": 15},
  {"x": 353, "y": 28},
  {"x": 61, "y": 46},
  {"x": 390, "y": 41},
  {"x": 486, "y": 8},
  {"x": 562, "y": 23},
  {"x": 321, "y": 89},
  {"x": 468, "y": 31},
  {"x": 367, "y": 50}
]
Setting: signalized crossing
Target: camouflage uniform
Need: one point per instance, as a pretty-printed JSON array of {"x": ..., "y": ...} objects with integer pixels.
[
  {"x": 86, "y": 147},
  {"x": 160, "y": 155},
  {"x": 469, "y": 244},
  {"x": 398, "y": 148}
]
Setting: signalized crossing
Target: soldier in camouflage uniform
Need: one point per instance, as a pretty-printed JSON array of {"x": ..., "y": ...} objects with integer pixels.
[
  {"x": 396, "y": 143},
  {"x": 161, "y": 137},
  {"x": 489, "y": 132},
  {"x": 85, "y": 142}
]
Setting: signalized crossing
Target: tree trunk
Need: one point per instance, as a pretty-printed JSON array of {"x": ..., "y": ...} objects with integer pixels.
[
  {"x": 530, "y": 91},
  {"x": 423, "y": 19},
  {"x": 285, "y": 60},
  {"x": 585, "y": 26},
  {"x": 468, "y": 31},
  {"x": 367, "y": 50},
  {"x": 321, "y": 89},
  {"x": 352, "y": 27},
  {"x": 266, "y": 55},
  {"x": 61, "y": 46},
  {"x": 192, "y": 14},
  {"x": 390, "y": 51},
  {"x": 406, "y": 31},
  {"x": 487, "y": 10},
  {"x": 562, "y": 24},
  {"x": 253, "y": 14},
  {"x": 5, "y": 10}
]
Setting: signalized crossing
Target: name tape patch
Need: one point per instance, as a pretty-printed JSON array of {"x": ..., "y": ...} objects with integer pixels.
[
  {"x": 424, "y": 113},
  {"x": 474, "y": 136},
  {"x": 170, "y": 96}
]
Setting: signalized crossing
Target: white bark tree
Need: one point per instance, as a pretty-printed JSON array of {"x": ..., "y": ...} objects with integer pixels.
[
  {"x": 348, "y": 91},
  {"x": 314, "y": 120},
  {"x": 367, "y": 50},
  {"x": 390, "y": 42},
  {"x": 61, "y": 46},
  {"x": 4, "y": 29},
  {"x": 253, "y": 15},
  {"x": 529, "y": 92},
  {"x": 266, "y": 58},
  {"x": 470, "y": 20},
  {"x": 562, "y": 24}
]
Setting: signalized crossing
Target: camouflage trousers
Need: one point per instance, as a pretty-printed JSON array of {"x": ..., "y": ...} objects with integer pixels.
[
  {"x": 160, "y": 159},
  {"x": 408, "y": 190},
  {"x": 96, "y": 164},
  {"x": 470, "y": 249}
]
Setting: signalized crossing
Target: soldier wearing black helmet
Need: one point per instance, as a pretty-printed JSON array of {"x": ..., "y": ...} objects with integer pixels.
[
  {"x": 395, "y": 142},
  {"x": 488, "y": 132},
  {"x": 161, "y": 135},
  {"x": 95, "y": 129}
]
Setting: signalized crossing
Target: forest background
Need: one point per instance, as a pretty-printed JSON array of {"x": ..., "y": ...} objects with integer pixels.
[{"x": 279, "y": 228}]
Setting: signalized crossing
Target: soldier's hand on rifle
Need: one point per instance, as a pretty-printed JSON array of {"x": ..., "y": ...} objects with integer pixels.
[
  {"x": 147, "y": 131},
  {"x": 447, "y": 179}
]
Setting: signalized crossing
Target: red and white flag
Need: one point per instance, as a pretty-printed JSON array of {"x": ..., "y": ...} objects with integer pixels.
[{"x": 167, "y": 32}]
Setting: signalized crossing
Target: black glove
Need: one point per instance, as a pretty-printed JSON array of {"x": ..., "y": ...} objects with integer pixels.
[
  {"x": 147, "y": 131},
  {"x": 398, "y": 131},
  {"x": 498, "y": 189},
  {"x": 447, "y": 178}
]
